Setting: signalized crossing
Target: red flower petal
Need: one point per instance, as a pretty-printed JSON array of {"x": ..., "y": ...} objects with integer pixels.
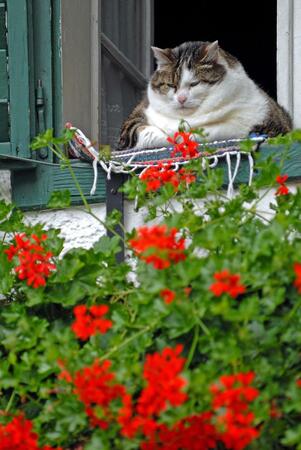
[
  {"x": 168, "y": 295},
  {"x": 281, "y": 179}
]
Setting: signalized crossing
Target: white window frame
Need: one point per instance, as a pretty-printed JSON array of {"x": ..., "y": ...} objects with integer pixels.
[{"x": 289, "y": 57}]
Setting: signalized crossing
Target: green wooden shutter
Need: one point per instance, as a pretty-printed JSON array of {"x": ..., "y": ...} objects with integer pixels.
[
  {"x": 4, "y": 119},
  {"x": 30, "y": 64},
  {"x": 26, "y": 61},
  {"x": 31, "y": 101},
  {"x": 32, "y": 75}
]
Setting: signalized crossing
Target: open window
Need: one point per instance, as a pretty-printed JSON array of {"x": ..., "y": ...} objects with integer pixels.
[{"x": 248, "y": 32}]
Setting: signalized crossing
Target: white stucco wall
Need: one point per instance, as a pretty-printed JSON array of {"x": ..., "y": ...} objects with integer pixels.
[
  {"x": 5, "y": 190},
  {"x": 77, "y": 227}
]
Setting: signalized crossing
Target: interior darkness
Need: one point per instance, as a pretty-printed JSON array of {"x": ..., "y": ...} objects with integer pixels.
[{"x": 245, "y": 29}]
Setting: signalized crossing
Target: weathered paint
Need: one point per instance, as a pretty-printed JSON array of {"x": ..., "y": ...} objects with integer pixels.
[
  {"x": 18, "y": 63},
  {"x": 4, "y": 117},
  {"x": 289, "y": 57},
  {"x": 49, "y": 178}
]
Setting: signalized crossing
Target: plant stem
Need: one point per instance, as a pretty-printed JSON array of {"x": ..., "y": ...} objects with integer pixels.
[
  {"x": 10, "y": 401},
  {"x": 84, "y": 200},
  {"x": 120, "y": 295},
  {"x": 292, "y": 312},
  {"x": 78, "y": 187},
  {"x": 193, "y": 346},
  {"x": 128, "y": 340},
  {"x": 57, "y": 153},
  {"x": 204, "y": 328},
  {"x": 4, "y": 236}
]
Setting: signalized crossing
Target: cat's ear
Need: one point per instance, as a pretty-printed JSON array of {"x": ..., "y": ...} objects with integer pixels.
[
  {"x": 163, "y": 56},
  {"x": 211, "y": 52}
]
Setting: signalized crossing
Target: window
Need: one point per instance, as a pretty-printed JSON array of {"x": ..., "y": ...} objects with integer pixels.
[{"x": 289, "y": 57}]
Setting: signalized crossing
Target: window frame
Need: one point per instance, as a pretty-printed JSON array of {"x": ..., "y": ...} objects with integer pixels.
[{"x": 289, "y": 57}]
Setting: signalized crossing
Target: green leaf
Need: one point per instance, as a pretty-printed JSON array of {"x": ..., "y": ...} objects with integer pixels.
[
  {"x": 59, "y": 199},
  {"x": 47, "y": 139},
  {"x": 7, "y": 278},
  {"x": 107, "y": 246}
]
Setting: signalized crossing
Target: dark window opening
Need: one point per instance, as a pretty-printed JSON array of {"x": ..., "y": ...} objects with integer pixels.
[{"x": 248, "y": 32}]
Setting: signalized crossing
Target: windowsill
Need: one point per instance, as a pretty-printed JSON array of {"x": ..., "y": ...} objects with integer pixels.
[{"x": 27, "y": 198}]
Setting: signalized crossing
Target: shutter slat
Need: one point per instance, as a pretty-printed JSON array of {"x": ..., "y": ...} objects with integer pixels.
[
  {"x": 125, "y": 61},
  {"x": 3, "y": 76},
  {"x": 110, "y": 49},
  {"x": 2, "y": 26},
  {"x": 4, "y": 130},
  {"x": 19, "y": 105},
  {"x": 4, "y": 118}
]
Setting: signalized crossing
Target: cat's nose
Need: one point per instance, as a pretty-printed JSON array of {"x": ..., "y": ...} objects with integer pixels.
[{"x": 182, "y": 98}]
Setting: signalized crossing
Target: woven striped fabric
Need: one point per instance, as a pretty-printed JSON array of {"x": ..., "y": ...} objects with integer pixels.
[
  {"x": 81, "y": 147},
  {"x": 131, "y": 160},
  {"x": 143, "y": 157}
]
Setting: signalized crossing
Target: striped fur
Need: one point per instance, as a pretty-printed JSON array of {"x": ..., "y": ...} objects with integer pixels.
[{"x": 206, "y": 86}]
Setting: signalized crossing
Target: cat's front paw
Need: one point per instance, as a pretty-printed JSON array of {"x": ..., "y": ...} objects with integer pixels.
[{"x": 151, "y": 137}]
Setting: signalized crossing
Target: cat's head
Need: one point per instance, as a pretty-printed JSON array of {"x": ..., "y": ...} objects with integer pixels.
[{"x": 186, "y": 74}]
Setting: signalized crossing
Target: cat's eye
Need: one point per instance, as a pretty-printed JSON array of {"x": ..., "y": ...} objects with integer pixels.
[
  {"x": 194, "y": 83},
  {"x": 171, "y": 85}
]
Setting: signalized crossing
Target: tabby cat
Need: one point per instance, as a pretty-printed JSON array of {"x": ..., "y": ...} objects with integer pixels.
[{"x": 208, "y": 88}]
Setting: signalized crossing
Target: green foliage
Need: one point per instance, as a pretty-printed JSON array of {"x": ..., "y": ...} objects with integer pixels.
[
  {"x": 47, "y": 138},
  {"x": 59, "y": 199},
  {"x": 258, "y": 331}
]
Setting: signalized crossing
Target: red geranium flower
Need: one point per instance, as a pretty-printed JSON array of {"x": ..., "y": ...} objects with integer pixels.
[
  {"x": 231, "y": 399},
  {"x": 297, "y": 282},
  {"x": 163, "y": 382},
  {"x": 183, "y": 145},
  {"x": 159, "y": 246},
  {"x": 168, "y": 295},
  {"x": 281, "y": 179},
  {"x": 89, "y": 321},
  {"x": 163, "y": 387},
  {"x": 283, "y": 189},
  {"x": 161, "y": 174},
  {"x": 194, "y": 432},
  {"x": 157, "y": 176},
  {"x": 64, "y": 375},
  {"x": 187, "y": 291},
  {"x": 275, "y": 412},
  {"x": 18, "y": 435},
  {"x": 34, "y": 260},
  {"x": 227, "y": 283},
  {"x": 96, "y": 388},
  {"x": 187, "y": 176}
]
